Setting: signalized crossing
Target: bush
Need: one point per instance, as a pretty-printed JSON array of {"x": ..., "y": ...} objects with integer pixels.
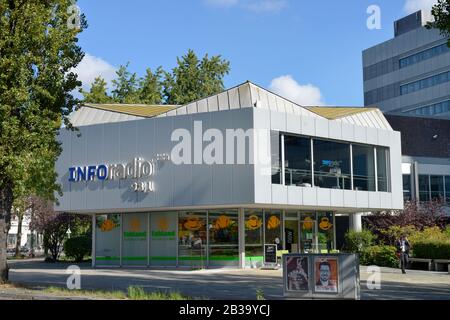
[
  {"x": 428, "y": 234},
  {"x": 77, "y": 248},
  {"x": 432, "y": 249},
  {"x": 382, "y": 256},
  {"x": 356, "y": 242}
]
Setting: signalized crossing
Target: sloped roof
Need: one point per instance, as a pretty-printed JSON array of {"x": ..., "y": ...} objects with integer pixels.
[
  {"x": 246, "y": 95},
  {"x": 138, "y": 110},
  {"x": 333, "y": 113}
]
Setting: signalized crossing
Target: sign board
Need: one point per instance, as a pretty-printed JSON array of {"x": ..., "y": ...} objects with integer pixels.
[
  {"x": 321, "y": 276},
  {"x": 270, "y": 254}
]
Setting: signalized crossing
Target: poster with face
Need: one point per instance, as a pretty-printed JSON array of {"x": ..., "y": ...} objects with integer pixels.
[
  {"x": 326, "y": 274},
  {"x": 297, "y": 274}
]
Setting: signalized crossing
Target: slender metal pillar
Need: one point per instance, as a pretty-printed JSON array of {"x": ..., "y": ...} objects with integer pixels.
[
  {"x": 93, "y": 240},
  {"x": 241, "y": 219}
]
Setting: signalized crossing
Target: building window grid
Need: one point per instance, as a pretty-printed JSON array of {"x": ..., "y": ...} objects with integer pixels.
[
  {"x": 283, "y": 182},
  {"x": 425, "y": 83},
  {"x": 437, "y": 108},
  {"x": 423, "y": 55}
]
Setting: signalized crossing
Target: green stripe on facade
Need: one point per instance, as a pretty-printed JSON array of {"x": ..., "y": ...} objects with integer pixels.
[{"x": 107, "y": 258}]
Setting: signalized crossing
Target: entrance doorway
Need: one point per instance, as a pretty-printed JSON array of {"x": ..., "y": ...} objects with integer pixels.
[
  {"x": 308, "y": 236},
  {"x": 291, "y": 235}
]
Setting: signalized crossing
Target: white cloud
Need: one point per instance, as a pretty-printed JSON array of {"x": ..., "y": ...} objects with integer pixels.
[
  {"x": 91, "y": 67},
  {"x": 258, "y": 6},
  {"x": 306, "y": 95},
  {"x": 412, "y": 6}
]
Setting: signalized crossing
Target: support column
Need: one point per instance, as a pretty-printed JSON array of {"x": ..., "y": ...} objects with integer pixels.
[
  {"x": 356, "y": 222},
  {"x": 93, "y": 240},
  {"x": 241, "y": 219}
]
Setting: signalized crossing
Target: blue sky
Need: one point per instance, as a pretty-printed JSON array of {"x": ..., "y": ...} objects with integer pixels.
[{"x": 307, "y": 50}]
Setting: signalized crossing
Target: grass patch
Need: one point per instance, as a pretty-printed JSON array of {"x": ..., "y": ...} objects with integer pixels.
[{"x": 133, "y": 293}]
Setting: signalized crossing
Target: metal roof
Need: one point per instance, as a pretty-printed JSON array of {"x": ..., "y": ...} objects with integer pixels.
[
  {"x": 333, "y": 113},
  {"x": 138, "y": 110}
]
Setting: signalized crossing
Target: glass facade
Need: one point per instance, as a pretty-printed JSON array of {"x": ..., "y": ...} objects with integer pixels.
[
  {"x": 201, "y": 239},
  {"x": 423, "y": 55},
  {"x": 424, "y": 188},
  {"x": 425, "y": 83},
  {"x": 447, "y": 189},
  {"x": 273, "y": 226},
  {"x": 275, "y": 156},
  {"x": 332, "y": 165},
  {"x": 223, "y": 238},
  {"x": 192, "y": 239},
  {"x": 297, "y": 161},
  {"x": 383, "y": 165},
  {"x": 430, "y": 110},
  {"x": 407, "y": 187},
  {"x": 135, "y": 239},
  {"x": 254, "y": 237},
  {"x": 363, "y": 168},
  {"x": 437, "y": 188},
  {"x": 107, "y": 239},
  {"x": 325, "y": 221}
]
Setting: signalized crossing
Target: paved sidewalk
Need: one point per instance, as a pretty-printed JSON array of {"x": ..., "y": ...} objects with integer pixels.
[{"x": 224, "y": 284}]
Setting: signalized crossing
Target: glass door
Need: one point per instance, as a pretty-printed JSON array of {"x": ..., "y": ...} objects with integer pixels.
[{"x": 291, "y": 235}]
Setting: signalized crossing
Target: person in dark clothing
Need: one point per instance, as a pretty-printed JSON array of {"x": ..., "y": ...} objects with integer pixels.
[{"x": 403, "y": 248}]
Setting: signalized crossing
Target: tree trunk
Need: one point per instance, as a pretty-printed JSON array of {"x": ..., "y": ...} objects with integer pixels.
[
  {"x": 6, "y": 200},
  {"x": 19, "y": 233}
]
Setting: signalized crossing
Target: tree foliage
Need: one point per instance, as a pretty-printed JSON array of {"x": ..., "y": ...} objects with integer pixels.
[
  {"x": 38, "y": 50},
  {"x": 441, "y": 15},
  {"x": 190, "y": 80},
  {"x": 416, "y": 216},
  {"x": 55, "y": 226},
  {"x": 98, "y": 92}
]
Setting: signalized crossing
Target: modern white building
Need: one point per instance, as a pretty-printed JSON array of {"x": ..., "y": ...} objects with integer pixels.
[
  {"x": 209, "y": 183},
  {"x": 410, "y": 73}
]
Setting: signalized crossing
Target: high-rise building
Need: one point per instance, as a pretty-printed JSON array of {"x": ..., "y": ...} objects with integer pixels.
[{"x": 409, "y": 74}]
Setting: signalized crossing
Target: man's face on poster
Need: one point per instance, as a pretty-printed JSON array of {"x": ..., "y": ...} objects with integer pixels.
[{"x": 324, "y": 273}]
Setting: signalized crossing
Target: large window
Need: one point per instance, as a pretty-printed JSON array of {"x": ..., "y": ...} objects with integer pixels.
[
  {"x": 298, "y": 161},
  {"x": 424, "y": 188},
  {"x": 437, "y": 187},
  {"x": 273, "y": 226},
  {"x": 383, "y": 169},
  {"x": 254, "y": 226},
  {"x": 332, "y": 165},
  {"x": 192, "y": 239},
  {"x": 326, "y": 231},
  {"x": 363, "y": 168},
  {"x": 424, "y": 55},
  {"x": 275, "y": 156},
  {"x": 425, "y": 83},
  {"x": 107, "y": 239},
  {"x": 407, "y": 187},
  {"x": 447, "y": 189},
  {"x": 135, "y": 239},
  {"x": 433, "y": 109},
  {"x": 223, "y": 237}
]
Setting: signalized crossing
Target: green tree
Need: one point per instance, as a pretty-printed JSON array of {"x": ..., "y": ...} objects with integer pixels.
[
  {"x": 194, "y": 79},
  {"x": 97, "y": 93},
  {"x": 441, "y": 15},
  {"x": 125, "y": 86},
  {"x": 38, "y": 50},
  {"x": 150, "y": 89}
]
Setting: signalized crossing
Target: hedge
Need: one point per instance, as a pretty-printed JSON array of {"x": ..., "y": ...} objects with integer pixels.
[
  {"x": 431, "y": 249},
  {"x": 77, "y": 248},
  {"x": 382, "y": 256}
]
